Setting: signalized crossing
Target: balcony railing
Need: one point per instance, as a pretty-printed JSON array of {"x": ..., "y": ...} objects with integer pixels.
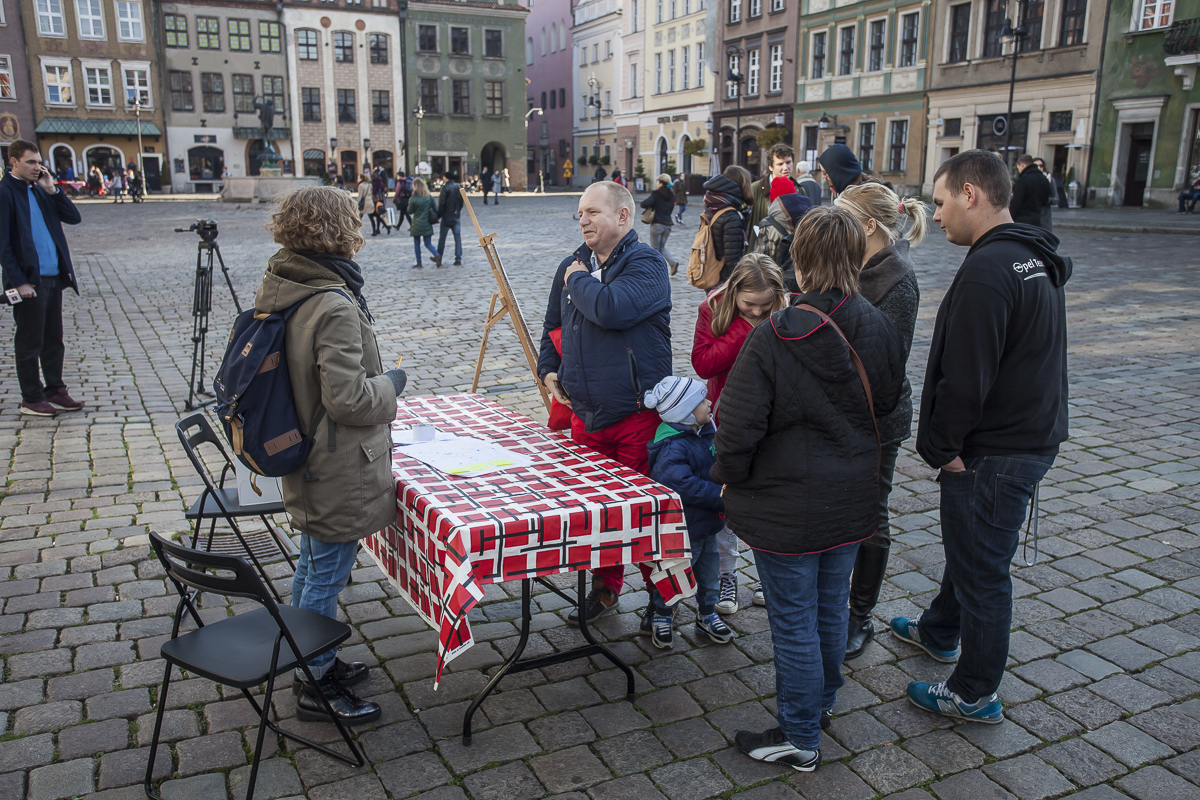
[
  {"x": 277, "y": 132},
  {"x": 1183, "y": 38}
]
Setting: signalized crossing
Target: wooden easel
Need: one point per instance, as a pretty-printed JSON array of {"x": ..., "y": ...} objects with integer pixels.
[{"x": 507, "y": 301}]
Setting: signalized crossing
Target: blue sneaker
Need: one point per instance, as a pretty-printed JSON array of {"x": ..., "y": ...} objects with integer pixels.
[
  {"x": 937, "y": 698},
  {"x": 714, "y": 628},
  {"x": 906, "y": 630}
]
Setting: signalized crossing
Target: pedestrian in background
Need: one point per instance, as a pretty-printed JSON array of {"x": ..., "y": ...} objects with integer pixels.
[
  {"x": 1031, "y": 197},
  {"x": 117, "y": 185},
  {"x": 798, "y": 452},
  {"x": 449, "y": 207},
  {"x": 1189, "y": 197},
  {"x": 486, "y": 180},
  {"x": 807, "y": 184},
  {"x": 505, "y": 181},
  {"x": 841, "y": 168},
  {"x": 37, "y": 265},
  {"x": 730, "y": 190},
  {"x": 617, "y": 177},
  {"x": 366, "y": 201},
  {"x": 888, "y": 281},
  {"x": 993, "y": 414},
  {"x": 420, "y": 225},
  {"x": 344, "y": 492},
  {"x": 662, "y": 201},
  {"x": 680, "y": 188},
  {"x": 404, "y": 190},
  {"x": 779, "y": 165}
]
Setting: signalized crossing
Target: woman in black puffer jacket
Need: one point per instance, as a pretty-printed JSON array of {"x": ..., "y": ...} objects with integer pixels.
[
  {"x": 662, "y": 200},
  {"x": 728, "y": 190},
  {"x": 798, "y": 452}
]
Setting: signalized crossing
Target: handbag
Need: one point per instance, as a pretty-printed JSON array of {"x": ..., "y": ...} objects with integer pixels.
[
  {"x": 560, "y": 415},
  {"x": 648, "y": 216}
]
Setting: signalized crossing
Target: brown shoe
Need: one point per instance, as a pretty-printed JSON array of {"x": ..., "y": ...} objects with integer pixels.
[
  {"x": 63, "y": 401},
  {"x": 42, "y": 409}
]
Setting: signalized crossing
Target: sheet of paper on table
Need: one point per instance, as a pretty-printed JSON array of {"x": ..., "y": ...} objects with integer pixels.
[{"x": 463, "y": 456}]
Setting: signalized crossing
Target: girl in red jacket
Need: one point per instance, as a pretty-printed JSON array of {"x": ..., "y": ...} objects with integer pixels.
[{"x": 755, "y": 290}]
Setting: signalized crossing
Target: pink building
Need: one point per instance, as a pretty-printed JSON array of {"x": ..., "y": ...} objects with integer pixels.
[{"x": 549, "y": 70}]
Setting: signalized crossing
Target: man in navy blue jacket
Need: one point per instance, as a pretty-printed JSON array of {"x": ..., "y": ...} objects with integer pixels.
[
  {"x": 37, "y": 265},
  {"x": 612, "y": 300}
]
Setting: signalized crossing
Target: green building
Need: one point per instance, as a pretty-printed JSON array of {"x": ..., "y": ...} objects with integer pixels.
[
  {"x": 1146, "y": 145},
  {"x": 466, "y": 87}
]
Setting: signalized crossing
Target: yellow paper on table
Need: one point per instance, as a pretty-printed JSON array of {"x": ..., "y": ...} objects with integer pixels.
[{"x": 464, "y": 456}]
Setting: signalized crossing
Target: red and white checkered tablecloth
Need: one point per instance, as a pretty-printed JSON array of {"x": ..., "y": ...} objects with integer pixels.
[{"x": 572, "y": 509}]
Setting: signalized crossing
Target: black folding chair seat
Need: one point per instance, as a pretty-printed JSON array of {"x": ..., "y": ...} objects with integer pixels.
[
  {"x": 225, "y": 501},
  {"x": 245, "y": 650}
]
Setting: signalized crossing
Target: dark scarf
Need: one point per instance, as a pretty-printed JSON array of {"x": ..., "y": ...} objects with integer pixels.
[
  {"x": 715, "y": 201},
  {"x": 884, "y": 270},
  {"x": 345, "y": 268}
]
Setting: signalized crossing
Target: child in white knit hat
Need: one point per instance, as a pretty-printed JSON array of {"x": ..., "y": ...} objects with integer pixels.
[{"x": 681, "y": 455}]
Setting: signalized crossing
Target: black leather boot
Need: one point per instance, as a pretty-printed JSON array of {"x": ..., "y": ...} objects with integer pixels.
[
  {"x": 870, "y": 567},
  {"x": 347, "y": 674},
  {"x": 347, "y": 706}
]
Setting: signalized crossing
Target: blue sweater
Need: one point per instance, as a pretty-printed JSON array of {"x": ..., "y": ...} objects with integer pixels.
[
  {"x": 680, "y": 459},
  {"x": 616, "y": 332},
  {"x": 18, "y": 252}
]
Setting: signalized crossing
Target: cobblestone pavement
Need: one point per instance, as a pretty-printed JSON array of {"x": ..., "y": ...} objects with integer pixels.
[{"x": 1102, "y": 690}]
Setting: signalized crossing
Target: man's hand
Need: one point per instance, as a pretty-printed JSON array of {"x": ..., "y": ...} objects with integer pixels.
[
  {"x": 27, "y": 291},
  {"x": 551, "y": 381},
  {"x": 956, "y": 465},
  {"x": 571, "y": 270},
  {"x": 47, "y": 183}
]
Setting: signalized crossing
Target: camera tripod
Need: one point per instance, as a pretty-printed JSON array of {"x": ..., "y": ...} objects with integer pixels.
[{"x": 201, "y": 306}]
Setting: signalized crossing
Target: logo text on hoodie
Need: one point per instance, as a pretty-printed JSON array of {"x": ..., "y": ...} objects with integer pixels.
[{"x": 1025, "y": 267}]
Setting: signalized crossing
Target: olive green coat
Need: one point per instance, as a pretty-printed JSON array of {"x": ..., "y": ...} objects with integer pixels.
[
  {"x": 333, "y": 360},
  {"x": 419, "y": 208}
]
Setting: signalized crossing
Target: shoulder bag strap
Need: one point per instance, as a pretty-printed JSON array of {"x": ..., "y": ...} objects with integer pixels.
[{"x": 862, "y": 376}]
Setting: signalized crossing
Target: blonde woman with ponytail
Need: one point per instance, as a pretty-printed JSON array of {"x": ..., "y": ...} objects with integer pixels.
[{"x": 888, "y": 280}]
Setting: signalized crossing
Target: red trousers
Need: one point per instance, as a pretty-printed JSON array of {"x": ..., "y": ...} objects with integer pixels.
[{"x": 625, "y": 443}]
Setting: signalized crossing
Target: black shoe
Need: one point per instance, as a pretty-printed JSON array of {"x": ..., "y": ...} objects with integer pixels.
[
  {"x": 773, "y": 746},
  {"x": 861, "y": 631},
  {"x": 596, "y": 606},
  {"x": 826, "y": 720},
  {"x": 457, "y": 263},
  {"x": 347, "y": 706},
  {"x": 346, "y": 674},
  {"x": 437, "y": 260}
]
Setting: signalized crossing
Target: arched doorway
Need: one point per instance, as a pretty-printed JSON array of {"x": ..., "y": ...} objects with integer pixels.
[
  {"x": 106, "y": 159},
  {"x": 205, "y": 164},
  {"x": 748, "y": 154},
  {"x": 254, "y": 151},
  {"x": 62, "y": 161},
  {"x": 383, "y": 158},
  {"x": 726, "y": 151},
  {"x": 685, "y": 158},
  {"x": 494, "y": 156},
  {"x": 662, "y": 156}
]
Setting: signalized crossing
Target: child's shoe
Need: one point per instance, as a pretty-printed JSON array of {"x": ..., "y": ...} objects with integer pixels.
[
  {"x": 662, "y": 631},
  {"x": 714, "y": 628}
]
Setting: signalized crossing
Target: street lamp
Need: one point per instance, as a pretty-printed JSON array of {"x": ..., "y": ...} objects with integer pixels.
[
  {"x": 137, "y": 112},
  {"x": 420, "y": 115},
  {"x": 333, "y": 154},
  {"x": 733, "y": 83},
  {"x": 594, "y": 100},
  {"x": 1016, "y": 35},
  {"x": 529, "y": 113}
]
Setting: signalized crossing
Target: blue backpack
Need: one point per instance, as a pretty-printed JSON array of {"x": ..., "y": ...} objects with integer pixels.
[{"x": 254, "y": 395}]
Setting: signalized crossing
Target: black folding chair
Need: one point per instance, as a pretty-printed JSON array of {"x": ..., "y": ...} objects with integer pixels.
[
  {"x": 244, "y": 650},
  {"x": 218, "y": 502}
]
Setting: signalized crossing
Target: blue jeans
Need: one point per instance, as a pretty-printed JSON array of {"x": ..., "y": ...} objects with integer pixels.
[
  {"x": 807, "y": 610},
  {"x": 428, "y": 246},
  {"x": 706, "y": 562},
  {"x": 455, "y": 226},
  {"x": 983, "y": 509},
  {"x": 322, "y": 571},
  {"x": 1189, "y": 199}
]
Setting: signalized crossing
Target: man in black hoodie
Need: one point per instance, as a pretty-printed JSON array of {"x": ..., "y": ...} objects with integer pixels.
[
  {"x": 450, "y": 205},
  {"x": 993, "y": 413},
  {"x": 1031, "y": 194}
]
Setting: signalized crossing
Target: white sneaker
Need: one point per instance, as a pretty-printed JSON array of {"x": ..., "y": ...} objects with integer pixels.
[
  {"x": 759, "y": 598},
  {"x": 727, "y": 599}
]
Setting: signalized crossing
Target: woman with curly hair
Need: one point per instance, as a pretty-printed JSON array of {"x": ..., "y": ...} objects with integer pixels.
[{"x": 346, "y": 401}]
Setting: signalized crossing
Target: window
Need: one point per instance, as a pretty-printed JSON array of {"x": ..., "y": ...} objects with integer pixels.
[
  {"x": 909, "y": 26},
  {"x": 1155, "y": 14},
  {"x": 494, "y": 97},
  {"x": 493, "y": 44},
  {"x": 952, "y": 127},
  {"x": 343, "y": 47},
  {"x": 129, "y": 21},
  {"x": 137, "y": 87},
  {"x": 674, "y": 8},
  {"x": 91, "y": 19},
  {"x": 735, "y": 11},
  {"x": 212, "y": 90},
  {"x": 595, "y": 52},
  {"x": 272, "y": 89},
  {"x": 460, "y": 97},
  {"x": 553, "y": 37},
  {"x": 633, "y": 80},
  {"x": 866, "y": 146},
  {"x": 986, "y": 138},
  {"x": 775, "y": 81},
  {"x": 752, "y": 72},
  {"x": 878, "y": 35},
  {"x": 671, "y": 71},
  {"x": 345, "y": 104},
  {"x": 899, "y": 145},
  {"x": 1029, "y": 13},
  {"x": 306, "y": 45},
  {"x": 776, "y": 5},
  {"x": 378, "y": 45},
  {"x": 699, "y": 65},
  {"x": 993, "y": 24},
  {"x": 960, "y": 31},
  {"x": 208, "y": 33},
  {"x": 50, "y": 18},
  {"x": 268, "y": 36},
  {"x": 243, "y": 94},
  {"x": 1075, "y": 12},
  {"x": 658, "y": 11},
  {"x": 544, "y": 101},
  {"x": 427, "y": 38},
  {"x": 658, "y": 73},
  {"x": 755, "y": 9},
  {"x": 310, "y": 103},
  {"x": 685, "y": 69},
  {"x": 731, "y": 87},
  {"x": 381, "y": 107},
  {"x": 175, "y": 27},
  {"x": 1060, "y": 121},
  {"x": 429, "y": 95},
  {"x": 181, "y": 91},
  {"x": 7, "y": 92},
  {"x": 607, "y": 49},
  {"x": 460, "y": 41},
  {"x": 846, "y": 52},
  {"x": 99, "y": 86},
  {"x": 583, "y": 56},
  {"x": 239, "y": 35},
  {"x": 818, "y": 56},
  {"x": 562, "y": 96}
]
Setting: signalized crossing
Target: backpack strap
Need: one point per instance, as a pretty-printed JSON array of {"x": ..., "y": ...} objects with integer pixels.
[
  {"x": 777, "y": 225},
  {"x": 862, "y": 377}
]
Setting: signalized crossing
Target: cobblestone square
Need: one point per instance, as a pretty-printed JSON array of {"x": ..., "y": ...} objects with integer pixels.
[{"x": 1102, "y": 694}]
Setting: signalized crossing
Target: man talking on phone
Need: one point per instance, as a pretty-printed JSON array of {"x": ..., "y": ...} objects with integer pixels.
[{"x": 37, "y": 265}]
